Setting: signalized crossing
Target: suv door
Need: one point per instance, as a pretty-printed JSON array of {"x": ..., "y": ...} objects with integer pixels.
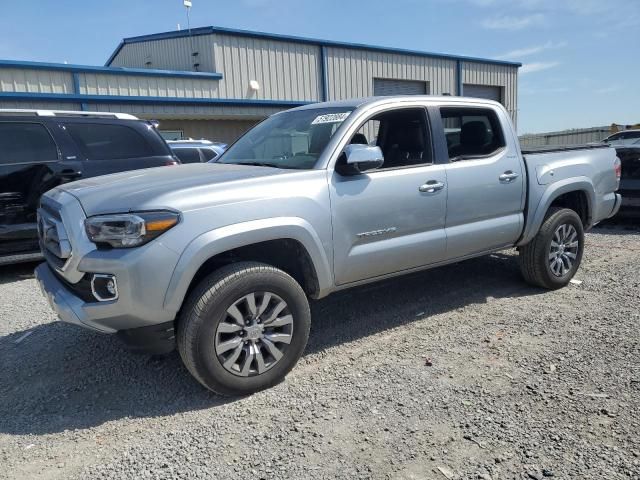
[
  {"x": 390, "y": 219},
  {"x": 29, "y": 166},
  {"x": 485, "y": 181}
]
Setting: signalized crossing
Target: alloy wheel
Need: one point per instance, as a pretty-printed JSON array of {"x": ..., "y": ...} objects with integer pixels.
[
  {"x": 255, "y": 334},
  {"x": 563, "y": 250}
]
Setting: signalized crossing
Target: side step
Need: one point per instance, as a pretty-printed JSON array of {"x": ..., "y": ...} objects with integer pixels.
[{"x": 20, "y": 258}]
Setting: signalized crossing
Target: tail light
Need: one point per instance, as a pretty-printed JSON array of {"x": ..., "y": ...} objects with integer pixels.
[{"x": 617, "y": 167}]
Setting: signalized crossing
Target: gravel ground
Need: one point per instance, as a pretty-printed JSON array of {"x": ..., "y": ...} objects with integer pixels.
[{"x": 459, "y": 372}]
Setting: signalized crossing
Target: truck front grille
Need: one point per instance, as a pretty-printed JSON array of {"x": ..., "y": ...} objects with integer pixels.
[{"x": 52, "y": 236}]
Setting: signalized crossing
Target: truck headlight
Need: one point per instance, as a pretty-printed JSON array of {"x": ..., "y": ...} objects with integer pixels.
[{"x": 129, "y": 229}]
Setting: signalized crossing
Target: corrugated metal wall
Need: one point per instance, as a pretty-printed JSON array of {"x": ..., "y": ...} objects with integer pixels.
[
  {"x": 350, "y": 72},
  {"x": 214, "y": 130},
  {"x": 35, "y": 81},
  {"x": 495, "y": 75},
  {"x": 169, "y": 54},
  {"x": 566, "y": 137},
  {"x": 202, "y": 112},
  {"x": 284, "y": 70},
  {"x": 131, "y": 85}
]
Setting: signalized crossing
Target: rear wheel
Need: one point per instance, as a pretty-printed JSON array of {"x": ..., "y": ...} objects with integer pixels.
[
  {"x": 243, "y": 328},
  {"x": 552, "y": 258}
]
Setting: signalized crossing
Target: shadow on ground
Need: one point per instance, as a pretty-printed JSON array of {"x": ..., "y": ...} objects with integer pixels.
[
  {"x": 17, "y": 272},
  {"x": 63, "y": 377}
]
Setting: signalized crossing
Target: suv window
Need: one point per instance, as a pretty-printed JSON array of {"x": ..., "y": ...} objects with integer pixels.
[
  {"x": 99, "y": 141},
  {"x": 471, "y": 133},
  {"x": 188, "y": 155},
  {"x": 401, "y": 135},
  {"x": 209, "y": 154},
  {"x": 26, "y": 143}
]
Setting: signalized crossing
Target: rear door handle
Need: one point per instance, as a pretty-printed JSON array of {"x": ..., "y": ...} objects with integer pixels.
[
  {"x": 70, "y": 173},
  {"x": 432, "y": 186},
  {"x": 508, "y": 176}
]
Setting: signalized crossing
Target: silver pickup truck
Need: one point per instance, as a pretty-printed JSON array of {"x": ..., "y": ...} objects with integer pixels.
[{"x": 310, "y": 201}]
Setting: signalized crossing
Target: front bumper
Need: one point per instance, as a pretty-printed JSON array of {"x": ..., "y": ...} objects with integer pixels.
[
  {"x": 158, "y": 338},
  {"x": 69, "y": 308}
]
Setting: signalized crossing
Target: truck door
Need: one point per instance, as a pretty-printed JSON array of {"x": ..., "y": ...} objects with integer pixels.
[
  {"x": 390, "y": 219},
  {"x": 485, "y": 181}
]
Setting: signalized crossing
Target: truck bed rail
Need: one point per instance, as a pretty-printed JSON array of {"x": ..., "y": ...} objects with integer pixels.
[{"x": 560, "y": 148}]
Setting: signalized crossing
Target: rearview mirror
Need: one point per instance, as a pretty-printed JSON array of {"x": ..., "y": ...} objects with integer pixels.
[{"x": 358, "y": 158}]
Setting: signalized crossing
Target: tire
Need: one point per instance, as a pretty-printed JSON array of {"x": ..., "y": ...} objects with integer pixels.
[
  {"x": 536, "y": 261},
  {"x": 211, "y": 320}
]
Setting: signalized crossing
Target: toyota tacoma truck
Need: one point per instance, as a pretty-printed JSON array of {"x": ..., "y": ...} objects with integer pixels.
[{"x": 221, "y": 259}]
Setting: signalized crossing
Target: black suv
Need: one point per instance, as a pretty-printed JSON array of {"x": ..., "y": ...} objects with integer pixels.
[{"x": 41, "y": 149}]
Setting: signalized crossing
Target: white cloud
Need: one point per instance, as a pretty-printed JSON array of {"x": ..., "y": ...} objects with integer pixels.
[
  {"x": 537, "y": 67},
  {"x": 525, "y": 52},
  {"x": 513, "y": 23}
]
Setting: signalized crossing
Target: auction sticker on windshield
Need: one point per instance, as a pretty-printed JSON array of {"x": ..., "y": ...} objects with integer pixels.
[{"x": 330, "y": 118}]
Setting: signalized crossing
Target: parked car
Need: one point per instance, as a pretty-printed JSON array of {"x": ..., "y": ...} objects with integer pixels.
[
  {"x": 626, "y": 137},
  {"x": 197, "y": 151},
  {"x": 40, "y": 149},
  {"x": 630, "y": 182},
  {"x": 225, "y": 255}
]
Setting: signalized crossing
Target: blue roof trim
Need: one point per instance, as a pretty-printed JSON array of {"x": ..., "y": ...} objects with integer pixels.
[
  {"x": 66, "y": 97},
  {"x": 292, "y": 38},
  {"x": 147, "y": 72}
]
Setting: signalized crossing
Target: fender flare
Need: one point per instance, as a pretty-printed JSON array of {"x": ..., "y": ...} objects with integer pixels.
[
  {"x": 214, "y": 242},
  {"x": 568, "y": 185}
]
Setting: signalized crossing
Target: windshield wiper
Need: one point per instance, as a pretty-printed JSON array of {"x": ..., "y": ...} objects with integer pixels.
[{"x": 259, "y": 164}]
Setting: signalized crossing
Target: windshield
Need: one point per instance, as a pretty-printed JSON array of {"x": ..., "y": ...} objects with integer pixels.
[{"x": 293, "y": 139}]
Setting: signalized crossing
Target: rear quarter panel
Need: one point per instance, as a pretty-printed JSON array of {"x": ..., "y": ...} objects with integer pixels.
[{"x": 590, "y": 170}]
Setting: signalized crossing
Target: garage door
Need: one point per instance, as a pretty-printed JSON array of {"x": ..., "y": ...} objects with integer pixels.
[
  {"x": 483, "y": 91},
  {"x": 386, "y": 86}
]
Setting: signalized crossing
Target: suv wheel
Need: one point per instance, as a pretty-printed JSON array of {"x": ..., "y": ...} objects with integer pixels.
[
  {"x": 243, "y": 328},
  {"x": 552, "y": 258}
]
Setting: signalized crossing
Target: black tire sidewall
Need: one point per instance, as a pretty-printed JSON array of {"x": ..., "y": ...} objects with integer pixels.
[
  {"x": 211, "y": 371},
  {"x": 568, "y": 217}
]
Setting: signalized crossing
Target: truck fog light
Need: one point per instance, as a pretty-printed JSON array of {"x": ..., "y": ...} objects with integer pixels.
[{"x": 104, "y": 287}]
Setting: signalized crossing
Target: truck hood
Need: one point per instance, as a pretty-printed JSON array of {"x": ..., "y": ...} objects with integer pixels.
[{"x": 181, "y": 187}]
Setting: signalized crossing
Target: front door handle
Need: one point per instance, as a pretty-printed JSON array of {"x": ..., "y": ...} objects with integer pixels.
[
  {"x": 508, "y": 176},
  {"x": 432, "y": 186}
]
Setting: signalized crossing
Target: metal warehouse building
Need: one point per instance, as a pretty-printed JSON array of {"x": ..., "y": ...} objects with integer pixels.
[{"x": 214, "y": 82}]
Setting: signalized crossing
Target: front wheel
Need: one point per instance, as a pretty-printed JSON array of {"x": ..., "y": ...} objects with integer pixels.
[
  {"x": 243, "y": 328},
  {"x": 552, "y": 258}
]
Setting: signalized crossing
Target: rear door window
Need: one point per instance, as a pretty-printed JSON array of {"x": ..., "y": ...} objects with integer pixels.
[
  {"x": 208, "y": 154},
  {"x": 188, "y": 155},
  {"x": 26, "y": 143},
  {"x": 99, "y": 141},
  {"x": 471, "y": 133}
]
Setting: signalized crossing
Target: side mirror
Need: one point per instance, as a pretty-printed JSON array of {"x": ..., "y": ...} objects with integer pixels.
[{"x": 358, "y": 158}]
